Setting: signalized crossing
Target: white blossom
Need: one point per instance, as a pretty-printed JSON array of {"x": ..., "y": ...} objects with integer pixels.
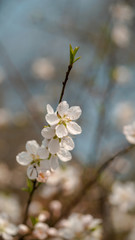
[
  {"x": 63, "y": 119},
  {"x": 122, "y": 12},
  {"x": 129, "y": 132},
  {"x": 9, "y": 204},
  {"x": 23, "y": 229},
  {"x": 122, "y": 74},
  {"x": 121, "y": 35},
  {"x": 40, "y": 230},
  {"x": 43, "y": 68},
  {"x": 7, "y": 229},
  {"x": 80, "y": 225},
  {"x": 67, "y": 179},
  {"x": 123, "y": 195},
  {"x": 43, "y": 176},
  {"x": 34, "y": 157},
  {"x": 60, "y": 152}
]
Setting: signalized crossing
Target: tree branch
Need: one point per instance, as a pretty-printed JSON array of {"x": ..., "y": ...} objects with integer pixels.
[
  {"x": 65, "y": 82},
  {"x": 29, "y": 202}
]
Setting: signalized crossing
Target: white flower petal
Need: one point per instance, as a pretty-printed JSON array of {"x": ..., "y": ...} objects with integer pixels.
[
  {"x": 74, "y": 128},
  {"x": 61, "y": 131},
  {"x": 52, "y": 119},
  {"x": 54, "y": 146},
  {"x": 45, "y": 143},
  {"x": 48, "y": 132},
  {"x": 67, "y": 143},
  {"x": 40, "y": 230},
  {"x": 74, "y": 112},
  {"x": 44, "y": 165},
  {"x": 40, "y": 225},
  {"x": 11, "y": 229},
  {"x": 62, "y": 108},
  {"x": 54, "y": 162},
  {"x": 32, "y": 172},
  {"x": 64, "y": 155},
  {"x": 32, "y": 147},
  {"x": 24, "y": 158},
  {"x": 43, "y": 153},
  {"x": 49, "y": 109},
  {"x": 6, "y": 236}
]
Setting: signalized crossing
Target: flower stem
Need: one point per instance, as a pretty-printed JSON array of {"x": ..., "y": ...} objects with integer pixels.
[
  {"x": 65, "y": 81},
  {"x": 29, "y": 202}
]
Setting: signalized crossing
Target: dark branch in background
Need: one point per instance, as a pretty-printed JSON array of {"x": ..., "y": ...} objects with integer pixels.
[{"x": 91, "y": 182}]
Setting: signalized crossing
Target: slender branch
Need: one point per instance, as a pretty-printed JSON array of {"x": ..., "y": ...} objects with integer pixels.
[
  {"x": 92, "y": 181},
  {"x": 29, "y": 202},
  {"x": 65, "y": 81}
]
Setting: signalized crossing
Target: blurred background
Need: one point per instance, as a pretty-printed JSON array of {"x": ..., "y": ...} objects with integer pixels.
[{"x": 34, "y": 55}]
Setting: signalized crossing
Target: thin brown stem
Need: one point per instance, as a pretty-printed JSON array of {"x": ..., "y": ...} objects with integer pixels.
[
  {"x": 65, "y": 82},
  {"x": 29, "y": 202}
]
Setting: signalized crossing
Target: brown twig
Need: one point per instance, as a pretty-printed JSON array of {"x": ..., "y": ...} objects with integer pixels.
[
  {"x": 29, "y": 202},
  {"x": 65, "y": 82}
]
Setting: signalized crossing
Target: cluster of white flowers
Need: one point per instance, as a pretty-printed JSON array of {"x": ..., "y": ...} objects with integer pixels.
[
  {"x": 77, "y": 226},
  {"x": 123, "y": 196},
  {"x": 7, "y": 229},
  {"x": 57, "y": 143}
]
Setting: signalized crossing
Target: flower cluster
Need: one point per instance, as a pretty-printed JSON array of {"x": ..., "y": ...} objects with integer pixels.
[
  {"x": 56, "y": 134},
  {"x": 123, "y": 195},
  {"x": 77, "y": 226},
  {"x": 57, "y": 142}
]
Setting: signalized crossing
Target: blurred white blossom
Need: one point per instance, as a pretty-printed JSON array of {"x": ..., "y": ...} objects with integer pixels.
[
  {"x": 123, "y": 195},
  {"x": 129, "y": 132},
  {"x": 68, "y": 180},
  {"x": 122, "y": 12},
  {"x": 11, "y": 206},
  {"x": 80, "y": 225},
  {"x": 40, "y": 230},
  {"x": 23, "y": 229},
  {"x": 122, "y": 74},
  {"x": 43, "y": 69},
  {"x": 7, "y": 229},
  {"x": 123, "y": 113},
  {"x": 121, "y": 35}
]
